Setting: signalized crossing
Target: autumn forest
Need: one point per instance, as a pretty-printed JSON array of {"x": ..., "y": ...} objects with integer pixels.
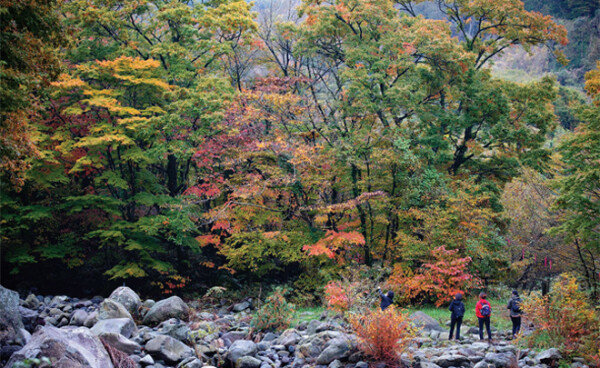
[{"x": 429, "y": 147}]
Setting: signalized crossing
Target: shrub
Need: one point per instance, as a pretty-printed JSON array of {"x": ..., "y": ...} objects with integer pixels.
[
  {"x": 355, "y": 292},
  {"x": 384, "y": 335},
  {"x": 565, "y": 319},
  {"x": 276, "y": 314},
  {"x": 436, "y": 281}
]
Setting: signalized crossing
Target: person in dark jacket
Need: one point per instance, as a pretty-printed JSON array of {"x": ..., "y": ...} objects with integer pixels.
[
  {"x": 458, "y": 311},
  {"x": 386, "y": 299},
  {"x": 514, "y": 306}
]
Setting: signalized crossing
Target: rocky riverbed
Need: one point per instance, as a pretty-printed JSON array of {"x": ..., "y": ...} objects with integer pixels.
[{"x": 125, "y": 331}]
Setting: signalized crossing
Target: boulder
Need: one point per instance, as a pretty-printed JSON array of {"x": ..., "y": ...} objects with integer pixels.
[
  {"x": 30, "y": 318},
  {"x": 128, "y": 298},
  {"x": 450, "y": 360},
  {"x": 123, "y": 326},
  {"x": 167, "y": 348},
  {"x": 239, "y": 349},
  {"x": 120, "y": 342},
  {"x": 191, "y": 362},
  {"x": 176, "y": 329},
  {"x": 112, "y": 309},
  {"x": 425, "y": 322},
  {"x": 549, "y": 357},
  {"x": 78, "y": 318},
  {"x": 147, "y": 360},
  {"x": 247, "y": 362},
  {"x": 91, "y": 319},
  {"x": 339, "y": 348},
  {"x": 32, "y": 302},
  {"x": 239, "y": 307},
  {"x": 501, "y": 360},
  {"x": 172, "y": 307},
  {"x": 10, "y": 318},
  {"x": 289, "y": 337},
  {"x": 68, "y": 347}
]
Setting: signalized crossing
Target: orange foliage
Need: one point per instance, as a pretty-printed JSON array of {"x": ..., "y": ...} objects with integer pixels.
[
  {"x": 567, "y": 319},
  {"x": 384, "y": 335},
  {"x": 436, "y": 281},
  {"x": 337, "y": 297},
  {"x": 335, "y": 244}
]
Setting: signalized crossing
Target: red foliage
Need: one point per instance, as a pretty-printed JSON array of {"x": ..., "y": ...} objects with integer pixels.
[
  {"x": 335, "y": 244},
  {"x": 437, "y": 281}
]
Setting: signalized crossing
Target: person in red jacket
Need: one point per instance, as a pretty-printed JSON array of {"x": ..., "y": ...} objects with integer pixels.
[{"x": 483, "y": 310}]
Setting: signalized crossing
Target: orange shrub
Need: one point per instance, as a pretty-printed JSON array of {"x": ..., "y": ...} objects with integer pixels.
[
  {"x": 436, "y": 281},
  {"x": 384, "y": 335},
  {"x": 565, "y": 319},
  {"x": 337, "y": 297}
]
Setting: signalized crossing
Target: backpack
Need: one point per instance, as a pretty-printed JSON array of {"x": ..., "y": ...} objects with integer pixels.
[
  {"x": 486, "y": 310},
  {"x": 460, "y": 310},
  {"x": 515, "y": 306}
]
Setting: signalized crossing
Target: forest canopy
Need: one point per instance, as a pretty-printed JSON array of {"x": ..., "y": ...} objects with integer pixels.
[{"x": 179, "y": 145}]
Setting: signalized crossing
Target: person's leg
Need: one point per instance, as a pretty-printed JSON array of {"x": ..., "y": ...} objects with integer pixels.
[
  {"x": 518, "y": 325},
  {"x": 488, "y": 328},
  {"x": 480, "y": 320},
  {"x": 514, "y": 325},
  {"x": 458, "y": 323},
  {"x": 452, "y": 323}
]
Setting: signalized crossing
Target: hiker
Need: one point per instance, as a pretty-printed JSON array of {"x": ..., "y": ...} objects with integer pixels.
[
  {"x": 514, "y": 306},
  {"x": 458, "y": 311},
  {"x": 386, "y": 299},
  {"x": 483, "y": 310}
]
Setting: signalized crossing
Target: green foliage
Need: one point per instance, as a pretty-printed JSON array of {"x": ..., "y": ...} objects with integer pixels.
[
  {"x": 566, "y": 319},
  {"x": 164, "y": 159},
  {"x": 579, "y": 183},
  {"x": 30, "y": 37},
  {"x": 275, "y": 314}
]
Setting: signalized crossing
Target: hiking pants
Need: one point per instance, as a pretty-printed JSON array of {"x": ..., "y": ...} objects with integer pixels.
[
  {"x": 516, "y": 322},
  {"x": 486, "y": 321},
  {"x": 455, "y": 322}
]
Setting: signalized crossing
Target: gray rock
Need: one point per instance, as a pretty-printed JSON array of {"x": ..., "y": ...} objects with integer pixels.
[
  {"x": 241, "y": 306},
  {"x": 112, "y": 309},
  {"x": 289, "y": 337},
  {"x": 450, "y": 360},
  {"x": 176, "y": 329},
  {"x": 120, "y": 342},
  {"x": 338, "y": 348},
  {"x": 501, "y": 360},
  {"x": 147, "y": 360},
  {"x": 148, "y": 303},
  {"x": 269, "y": 336},
  {"x": 10, "y": 318},
  {"x": 335, "y": 364},
  {"x": 91, "y": 319},
  {"x": 549, "y": 357},
  {"x": 247, "y": 362},
  {"x": 172, "y": 307},
  {"x": 59, "y": 300},
  {"x": 123, "y": 326},
  {"x": 361, "y": 365},
  {"x": 191, "y": 362},
  {"x": 68, "y": 347},
  {"x": 168, "y": 349},
  {"x": 425, "y": 322},
  {"x": 32, "y": 302},
  {"x": 239, "y": 349},
  {"x": 29, "y": 317},
  {"x": 127, "y": 298},
  {"x": 78, "y": 318}
]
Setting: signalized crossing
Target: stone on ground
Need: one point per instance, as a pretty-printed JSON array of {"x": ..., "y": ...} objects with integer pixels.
[{"x": 67, "y": 347}]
